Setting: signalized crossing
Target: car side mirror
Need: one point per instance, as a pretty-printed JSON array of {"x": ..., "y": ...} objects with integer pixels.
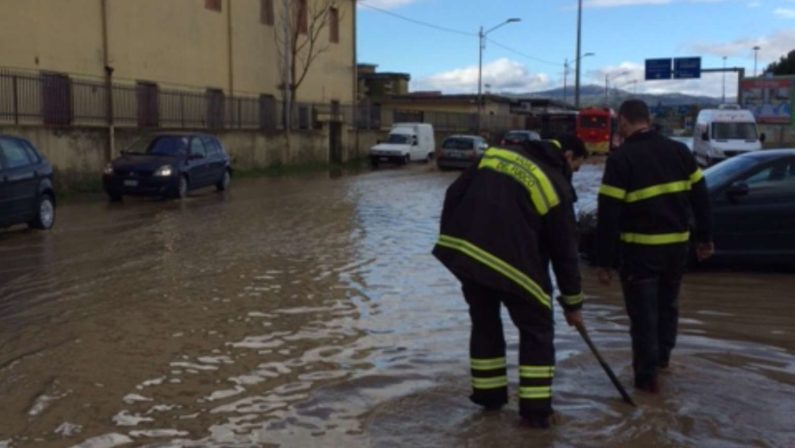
[
  {"x": 705, "y": 136},
  {"x": 414, "y": 141},
  {"x": 738, "y": 189},
  {"x": 762, "y": 137}
]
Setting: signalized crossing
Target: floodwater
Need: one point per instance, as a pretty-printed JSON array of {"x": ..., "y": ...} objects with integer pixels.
[{"x": 308, "y": 311}]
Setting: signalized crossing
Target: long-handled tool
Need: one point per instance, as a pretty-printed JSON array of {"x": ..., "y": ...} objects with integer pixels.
[{"x": 607, "y": 369}]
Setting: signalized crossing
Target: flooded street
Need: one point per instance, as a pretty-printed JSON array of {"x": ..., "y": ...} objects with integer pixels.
[{"x": 308, "y": 311}]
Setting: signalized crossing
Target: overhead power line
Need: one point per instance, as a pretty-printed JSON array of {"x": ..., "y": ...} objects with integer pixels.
[
  {"x": 517, "y": 52},
  {"x": 455, "y": 31},
  {"x": 418, "y": 22}
]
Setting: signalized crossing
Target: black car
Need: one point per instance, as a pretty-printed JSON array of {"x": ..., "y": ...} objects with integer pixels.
[
  {"x": 168, "y": 165},
  {"x": 519, "y": 137},
  {"x": 27, "y": 195},
  {"x": 753, "y": 208}
]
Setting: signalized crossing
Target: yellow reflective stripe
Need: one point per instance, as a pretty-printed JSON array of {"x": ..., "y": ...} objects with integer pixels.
[
  {"x": 521, "y": 176},
  {"x": 555, "y": 143},
  {"x": 541, "y": 178},
  {"x": 573, "y": 299},
  {"x": 487, "y": 364},
  {"x": 536, "y": 371},
  {"x": 696, "y": 176},
  {"x": 490, "y": 383},
  {"x": 613, "y": 192},
  {"x": 653, "y": 240},
  {"x": 658, "y": 190},
  {"x": 498, "y": 265},
  {"x": 535, "y": 392}
]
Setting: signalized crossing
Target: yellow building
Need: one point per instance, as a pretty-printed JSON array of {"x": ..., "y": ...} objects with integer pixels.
[{"x": 214, "y": 47}]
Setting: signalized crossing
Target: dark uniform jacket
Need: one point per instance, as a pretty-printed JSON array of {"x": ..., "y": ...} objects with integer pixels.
[
  {"x": 650, "y": 190},
  {"x": 505, "y": 218}
]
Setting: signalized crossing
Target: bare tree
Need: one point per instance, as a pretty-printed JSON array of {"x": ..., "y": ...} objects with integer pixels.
[{"x": 300, "y": 39}]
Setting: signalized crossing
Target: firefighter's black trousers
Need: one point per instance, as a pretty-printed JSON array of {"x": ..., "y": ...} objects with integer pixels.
[
  {"x": 651, "y": 277},
  {"x": 487, "y": 350}
]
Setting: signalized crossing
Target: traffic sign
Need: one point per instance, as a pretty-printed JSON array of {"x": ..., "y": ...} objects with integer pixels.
[
  {"x": 687, "y": 68},
  {"x": 658, "y": 69}
]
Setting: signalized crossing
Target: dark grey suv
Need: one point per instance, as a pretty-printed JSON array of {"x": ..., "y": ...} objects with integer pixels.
[{"x": 27, "y": 195}]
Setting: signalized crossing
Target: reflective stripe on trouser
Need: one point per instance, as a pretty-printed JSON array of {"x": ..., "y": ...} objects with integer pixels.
[{"x": 487, "y": 349}]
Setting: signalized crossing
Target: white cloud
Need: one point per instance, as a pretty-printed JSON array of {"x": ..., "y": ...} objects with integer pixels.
[
  {"x": 503, "y": 75},
  {"x": 785, "y": 13},
  {"x": 622, "y": 3},
  {"x": 629, "y": 77},
  {"x": 771, "y": 48},
  {"x": 386, "y": 4}
]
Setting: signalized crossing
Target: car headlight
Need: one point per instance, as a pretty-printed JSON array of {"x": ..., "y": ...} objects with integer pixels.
[
  {"x": 108, "y": 169},
  {"x": 164, "y": 171}
]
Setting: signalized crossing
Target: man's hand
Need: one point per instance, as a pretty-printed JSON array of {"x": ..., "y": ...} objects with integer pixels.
[
  {"x": 573, "y": 318},
  {"x": 605, "y": 276},
  {"x": 704, "y": 250}
]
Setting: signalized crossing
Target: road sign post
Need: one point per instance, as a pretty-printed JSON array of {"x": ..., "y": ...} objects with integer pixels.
[
  {"x": 658, "y": 69},
  {"x": 687, "y": 68}
]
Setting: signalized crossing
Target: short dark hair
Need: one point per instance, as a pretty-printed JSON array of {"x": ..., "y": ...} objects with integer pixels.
[
  {"x": 570, "y": 142},
  {"x": 635, "y": 111}
]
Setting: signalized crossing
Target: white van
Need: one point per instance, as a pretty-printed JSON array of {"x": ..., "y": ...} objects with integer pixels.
[
  {"x": 407, "y": 142},
  {"x": 723, "y": 133}
]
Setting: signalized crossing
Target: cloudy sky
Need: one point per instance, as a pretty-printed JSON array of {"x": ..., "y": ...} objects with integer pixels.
[{"x": 436, "y": 41}]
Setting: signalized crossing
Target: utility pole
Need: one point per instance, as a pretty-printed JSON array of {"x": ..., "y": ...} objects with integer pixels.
[
  {"x": 480, "y": 76},
  {"x": 579, "y": 58},
  {"x": 756, "y": 51}
]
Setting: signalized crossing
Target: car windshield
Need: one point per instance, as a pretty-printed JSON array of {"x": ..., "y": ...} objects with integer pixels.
[
  {"x": 724, "y": 172},
  {"x": 458, "y": 143},
  {"x": 165, "y": 145},
  {"x": 399, "y": 138},
  {"x": 734, "y": 131},
  {"x": 593, "y": 122},
  {"x": 516, "y": 136}
]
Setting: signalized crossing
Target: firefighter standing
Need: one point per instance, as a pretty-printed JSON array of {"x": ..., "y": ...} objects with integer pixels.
[
  {"x": 503, "y": 220},
  {"x": 650, "y": 189}
]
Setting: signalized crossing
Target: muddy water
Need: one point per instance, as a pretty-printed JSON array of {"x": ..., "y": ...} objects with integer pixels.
[{"x": 308, "y": 312}]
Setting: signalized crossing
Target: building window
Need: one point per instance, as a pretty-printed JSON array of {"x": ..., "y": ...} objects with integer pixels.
[
  {"x": 302, "y": 18},
  {"x": 57, "y": 99},
  {"x": 266, "y": 12},
  {"x": 148, "y": 105},
  {"x": 215, "y": 5},
  {"x": 334, "y": 25}
]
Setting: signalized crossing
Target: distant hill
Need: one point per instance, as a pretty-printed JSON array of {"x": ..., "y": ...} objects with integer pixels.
[{"x": 593, "y": 95}]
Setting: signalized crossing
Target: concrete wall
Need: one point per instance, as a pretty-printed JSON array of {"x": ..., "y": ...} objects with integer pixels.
[{"x": 80, "y": 153}]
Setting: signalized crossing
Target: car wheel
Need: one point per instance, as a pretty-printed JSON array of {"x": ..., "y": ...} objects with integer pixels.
[
  {"x": 45, "y": 213},
  {"x": 183, "y": 187},
  {"x": 374, "y": 163},
  {"x": 407, "y": 159},
  {"x": 223, "y": 184}
]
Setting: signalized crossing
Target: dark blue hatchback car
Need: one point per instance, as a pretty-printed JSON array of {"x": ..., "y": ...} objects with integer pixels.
[
  {"x": 168, "y": 165},
  {"x": 27, "y": 195}
]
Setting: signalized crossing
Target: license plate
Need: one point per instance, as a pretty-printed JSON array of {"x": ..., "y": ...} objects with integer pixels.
[
  {"x": 456, "y": 155},
  {"x": 130, "y": 183},
  {"x": 384, "y": 159}
]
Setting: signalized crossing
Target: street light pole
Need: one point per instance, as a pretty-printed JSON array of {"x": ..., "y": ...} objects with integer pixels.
[
  {"x": 756, "y": 51},
  {"x": 607, "y": 90},
  {"x": 565, "y": 79},
  {"x": 577, "y": 71},
  {"x": 723, "y": 95},
  {"x": 481, "y": 46}
]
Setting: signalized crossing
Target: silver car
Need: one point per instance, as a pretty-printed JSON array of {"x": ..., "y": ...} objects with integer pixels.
[{"x": 460, "y": 151}]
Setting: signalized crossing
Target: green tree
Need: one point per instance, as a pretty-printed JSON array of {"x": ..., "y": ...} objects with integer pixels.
[{"x": 784, "y": 66}]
